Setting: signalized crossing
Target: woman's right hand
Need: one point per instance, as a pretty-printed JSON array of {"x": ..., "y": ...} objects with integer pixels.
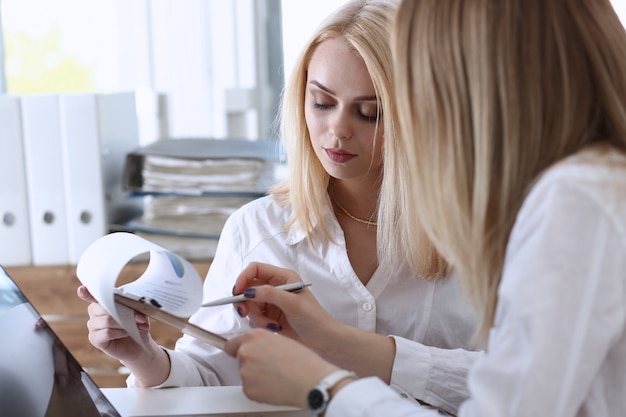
[
  {"x": 300, "y": 317},
  {"x": 108, "y": 336},
  {"x": 296, "y": 315}
]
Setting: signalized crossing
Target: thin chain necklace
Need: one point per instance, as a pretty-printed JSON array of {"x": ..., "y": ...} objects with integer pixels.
[{"x": 347, "y": 213}]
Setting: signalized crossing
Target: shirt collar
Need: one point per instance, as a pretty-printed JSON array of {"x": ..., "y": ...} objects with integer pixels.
[{"x": 296, "y": 234}]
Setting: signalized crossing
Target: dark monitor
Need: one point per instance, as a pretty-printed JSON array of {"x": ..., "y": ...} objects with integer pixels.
[{"x": 39, "y": 377}]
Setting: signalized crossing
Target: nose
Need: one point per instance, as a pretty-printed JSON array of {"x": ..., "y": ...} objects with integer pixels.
[{"x": 340, "y": 126}]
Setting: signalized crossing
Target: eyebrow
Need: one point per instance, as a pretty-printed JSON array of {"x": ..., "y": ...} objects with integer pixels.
[{"x": 329, "y": 91}]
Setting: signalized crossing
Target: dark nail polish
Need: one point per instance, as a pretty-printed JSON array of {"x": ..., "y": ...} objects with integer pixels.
[
  {"x": 249, "y": 292},
  {"x": 233, "y": 291},
  {"x": 273, "y": 327},
  {"x": 240, "y": 311}
]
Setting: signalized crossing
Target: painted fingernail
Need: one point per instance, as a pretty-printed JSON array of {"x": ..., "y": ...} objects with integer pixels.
[
  {"x": 233, "y": 291},
  {"x": 240, "y": 311},
  {"x": 249, "y": 292},
  {"x": 273, "y": 327}
]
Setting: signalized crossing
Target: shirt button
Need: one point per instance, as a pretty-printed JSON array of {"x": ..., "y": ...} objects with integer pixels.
[{"x": 368, "y": 306}]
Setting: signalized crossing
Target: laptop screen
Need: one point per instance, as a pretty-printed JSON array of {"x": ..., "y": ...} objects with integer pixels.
[{"x": 39, "y": 377}]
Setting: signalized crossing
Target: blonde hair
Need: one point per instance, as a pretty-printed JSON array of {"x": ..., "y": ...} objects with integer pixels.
[
  {"x": 365, "y": 25},
  {"x": 491, "y": 94}
]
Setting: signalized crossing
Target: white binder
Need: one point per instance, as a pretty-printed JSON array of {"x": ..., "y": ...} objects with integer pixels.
[
  {"x": 119, "y": 134},
  {"x": 14, "y": 219},
  {"x": 45, "y": 179},
  {"x": 84, "y": 194}
]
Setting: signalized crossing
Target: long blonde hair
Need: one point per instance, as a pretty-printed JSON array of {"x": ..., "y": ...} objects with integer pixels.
[
  {"x": 365, "y": 25},
  {"x": 491, "y": 94}
]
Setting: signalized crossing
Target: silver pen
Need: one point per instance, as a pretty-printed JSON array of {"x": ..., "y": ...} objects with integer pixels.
[{"x": 293, "y": 287}]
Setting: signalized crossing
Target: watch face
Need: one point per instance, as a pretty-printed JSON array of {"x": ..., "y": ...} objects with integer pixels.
[{"x": 316, "y": 399}]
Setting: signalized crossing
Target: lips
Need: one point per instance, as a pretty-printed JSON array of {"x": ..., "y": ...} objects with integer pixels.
[{"x": 339, "y": 155}]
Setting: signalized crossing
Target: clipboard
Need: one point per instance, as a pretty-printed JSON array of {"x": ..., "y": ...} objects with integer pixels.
[{"x": 150, "y": 310}]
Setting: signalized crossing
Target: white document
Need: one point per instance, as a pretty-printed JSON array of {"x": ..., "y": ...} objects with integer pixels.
[
  {"x": 45, "y": 179},
  {"x": 170, "y": 285},
  {"x": 84, "y": 193},
  {"x": 14, "y": 218}
]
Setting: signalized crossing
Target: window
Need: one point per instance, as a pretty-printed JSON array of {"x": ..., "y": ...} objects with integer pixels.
[
  {"x": 51, "y": 50},
  {"x": 216, "y": 63}
]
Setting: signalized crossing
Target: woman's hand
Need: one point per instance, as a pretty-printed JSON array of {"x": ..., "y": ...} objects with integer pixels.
[
  {"x": 300, "y": 317},
  {"x": 275, "y": 369},
  {"x": 295, "y": 315},
  {"x": 150, "y": 367},
  {"x": 108, "y": 336}
]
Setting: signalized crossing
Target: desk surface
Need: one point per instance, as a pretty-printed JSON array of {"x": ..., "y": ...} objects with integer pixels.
[{"x": 192, "y": 401}]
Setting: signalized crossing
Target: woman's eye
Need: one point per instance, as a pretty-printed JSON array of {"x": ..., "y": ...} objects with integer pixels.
[
  {"x": 368, "y": 117},
  {"x": 370, "y": 113},
  {"x": 321, "y": 106}
]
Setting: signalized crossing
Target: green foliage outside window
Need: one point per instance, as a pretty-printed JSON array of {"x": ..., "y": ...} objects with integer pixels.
[{"x": 38, "y": 65}]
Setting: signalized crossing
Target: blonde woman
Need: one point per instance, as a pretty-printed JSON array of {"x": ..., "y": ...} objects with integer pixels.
[
  {"x": 338, "y": 110},
  {"x": 513, "y": 157}
]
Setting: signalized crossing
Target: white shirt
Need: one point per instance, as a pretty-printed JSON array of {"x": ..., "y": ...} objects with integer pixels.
[
  {"x": 432, "y": 312},
  {"x": 558, "y": 346}
]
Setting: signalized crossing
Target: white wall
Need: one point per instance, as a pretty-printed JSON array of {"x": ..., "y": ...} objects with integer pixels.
[{"x": 299, "y": 21}]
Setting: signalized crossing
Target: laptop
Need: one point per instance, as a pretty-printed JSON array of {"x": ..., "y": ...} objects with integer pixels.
[{"x": 39, "y": 377}]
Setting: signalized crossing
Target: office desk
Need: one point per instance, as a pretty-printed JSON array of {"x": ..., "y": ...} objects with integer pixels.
[
  {"x": 52, "y": 290},
  {"x": 193, "y": 401}
]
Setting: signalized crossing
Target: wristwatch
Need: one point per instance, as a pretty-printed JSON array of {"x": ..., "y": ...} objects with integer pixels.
[{"x": 318, "y": 397}]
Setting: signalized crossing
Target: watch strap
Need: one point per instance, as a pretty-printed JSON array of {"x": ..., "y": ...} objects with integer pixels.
[
  {"x": 331, "y": 380},
  {"x": 319, "y": 396}
]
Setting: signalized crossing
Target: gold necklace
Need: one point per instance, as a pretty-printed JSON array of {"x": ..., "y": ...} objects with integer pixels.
[{"x": 347, "y": 213}]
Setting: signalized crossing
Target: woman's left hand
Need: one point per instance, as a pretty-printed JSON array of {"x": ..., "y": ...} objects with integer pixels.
[{"x": 275, "y": 369}]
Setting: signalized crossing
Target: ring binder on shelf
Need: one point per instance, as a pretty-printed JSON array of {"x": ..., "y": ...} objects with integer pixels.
[
  {"x": 45, "y": 181},
  {"x": 15, "y": 246},
  {"x": 86, "y": 217}
]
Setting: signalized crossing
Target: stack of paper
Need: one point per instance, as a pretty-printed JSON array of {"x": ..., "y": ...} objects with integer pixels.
[
  {"x": 200, "y": 216},
  {"x": 190, "y": 187},
  {"x": 195, "y": 177}
]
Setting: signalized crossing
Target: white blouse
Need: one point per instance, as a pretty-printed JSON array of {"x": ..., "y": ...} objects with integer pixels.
[
  {"x": 431, "y": 312},
  {"x": 558, "y": 346}
]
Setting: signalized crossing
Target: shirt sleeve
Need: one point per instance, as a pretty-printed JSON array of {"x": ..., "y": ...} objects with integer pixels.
[
  {"x": 560, "y": 309},
  {"x": 435, "y": 376},
  {"x": 194, "y": 363},
  {"x": 371, "y": 397},
  {"x": 560, "y": 316},
  {"x": 184, "y": 371}
]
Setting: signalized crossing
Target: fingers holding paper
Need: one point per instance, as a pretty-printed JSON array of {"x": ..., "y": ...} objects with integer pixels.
[
  {"x": 107, "y": 335},
  {"x": 150, "y": 366}
]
